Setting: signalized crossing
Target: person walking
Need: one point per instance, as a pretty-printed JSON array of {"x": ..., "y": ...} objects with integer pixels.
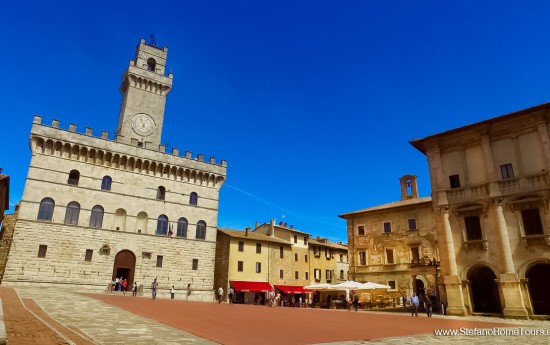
[
  {"x": 154, "y": 287},
  {"x": 230, "y": 294},
  {"x": 124, "y": 285},
  {"x": 188, "y": 291},
  {"x": 134, "y": 290},
  {"x": 428, "y": 306},
  {"x": 220, "y": 295},
  {"x": 172, "y": 292},
  {"x": 414, "y": 305}
]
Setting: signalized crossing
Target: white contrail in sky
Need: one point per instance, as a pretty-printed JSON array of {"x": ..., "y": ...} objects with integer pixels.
[{"x": 286, "y": 211}]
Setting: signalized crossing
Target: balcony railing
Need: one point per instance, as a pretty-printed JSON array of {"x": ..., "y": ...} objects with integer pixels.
[
  {"x": 523, "y": 184},
  {"x": 468, "y": 193},
  {"x": 505, "y": 187}
]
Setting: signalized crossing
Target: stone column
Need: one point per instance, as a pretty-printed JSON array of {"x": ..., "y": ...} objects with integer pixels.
[
  {"x": 490, "y": 166},
  {"x": 542, "y": 128},
  {"x": 453, "y": 285},
  {"x": 436, "y": 175},
  {"x": 509, "y": 282}
]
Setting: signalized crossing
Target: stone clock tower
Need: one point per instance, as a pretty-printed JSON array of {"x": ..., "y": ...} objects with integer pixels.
[{"x": 144, "y": 88}]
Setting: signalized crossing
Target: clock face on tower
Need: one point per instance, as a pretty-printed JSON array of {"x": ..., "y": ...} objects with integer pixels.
[{"x": 143, "y": 124}]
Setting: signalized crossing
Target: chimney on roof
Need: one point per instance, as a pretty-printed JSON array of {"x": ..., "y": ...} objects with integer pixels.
[
  {"x": 280, "y": 223},
  {"x": 246, "y": 231},
  {"x": 285, "y": 224},
  {"x": 271, "y": 231},
  {"x": 256, "y": 225},
  {"x": 292, "y": 226}
]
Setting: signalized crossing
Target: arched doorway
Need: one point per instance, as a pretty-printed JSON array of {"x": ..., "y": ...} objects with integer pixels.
[
  {"x": 484, "y": 290},
  {"x": 420, "y": 289},
  {"x": 539, "y": 284},
  {"x": 125, "y": 266}
]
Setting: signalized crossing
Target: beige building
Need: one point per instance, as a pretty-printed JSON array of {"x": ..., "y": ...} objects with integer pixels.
[
  {"x": 329, "y": 261},
  {"x": 278, "y": 257},
  {"x": 297, "y": 264},
  {"x": 251, "y": 263},
  {"x": 395, "y": 244},
  {"x": 96, "y": 208},
  {"x": 490, "y": 188}
]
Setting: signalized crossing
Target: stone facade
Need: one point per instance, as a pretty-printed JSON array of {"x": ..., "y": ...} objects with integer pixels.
[
  {"x": 95, "y": 208},
  {"x": 491, "y": 188},
  {"x": 6, "y": 237},
  {"x": 395, "y": 244}
]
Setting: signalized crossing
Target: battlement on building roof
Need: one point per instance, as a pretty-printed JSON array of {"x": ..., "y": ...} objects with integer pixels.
[{"x": 105, "y": 135}]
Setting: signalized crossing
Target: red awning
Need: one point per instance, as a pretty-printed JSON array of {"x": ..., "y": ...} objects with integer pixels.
[
  {"x": 251, "y": 286},
  {"x": 292, "y": 289}
]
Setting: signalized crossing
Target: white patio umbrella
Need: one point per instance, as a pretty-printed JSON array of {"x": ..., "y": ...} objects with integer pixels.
[
  {"x": 322, "y": 286},
  {"x": 370, "y": 285},
  {"x": 349, "y": 285}
]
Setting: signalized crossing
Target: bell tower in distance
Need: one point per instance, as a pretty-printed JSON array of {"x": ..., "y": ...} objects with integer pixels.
[{"x": 144, "y": 88}]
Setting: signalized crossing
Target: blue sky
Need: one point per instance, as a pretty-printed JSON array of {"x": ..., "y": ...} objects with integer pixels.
[{"x": 312, "y": 103}]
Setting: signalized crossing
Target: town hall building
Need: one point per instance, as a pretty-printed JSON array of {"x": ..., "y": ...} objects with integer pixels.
[{"x": 97, "y": 207}]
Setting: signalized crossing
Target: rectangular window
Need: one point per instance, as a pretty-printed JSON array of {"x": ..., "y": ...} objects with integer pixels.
[
  {"x": 42, "y": 249},
  {"x": 412, "y": 224},
  {"x": 316, "y": 251},
  {"x": 387, "y": 227},
  {"x": 240, "y": 266},
  {"x": 258, "y": 267},
  {"x": 281, "y": 252},
  {"x": 341, "y": 274},
  {"x": 361, "y": 230},
  {"x": 507, "y": 171},
  {"x": 473, "y": 228},
  {"x": 415, "y": 255},
  {"x": 89, "y": 254},
  {"x": 258, "y": 248},
  {"x": 454, "y": 180},
  {"x": 307, "y": 275},
  {"x": 295, "y": 238},
  {"x": 295, "y": 256},
  {"x": 281, "y": 274},
  {"x": 532, "y": 225},
  {"x": 305, "y": 257},
  {"x": 159, "y": 260},
  {"x": 195, "y": 264},
  {"x": 305, "y": 241},
  {"x": 317, "y": 274},
  {"x": 341, "y": 257},
  {"x": 328, "y": 274},
  {"x": 389, "y": 256},
  {"x": 296, "y": 275},
  {"x": 392, "y": 285},
  {"x": 362, "y": 258},
  {"x": 241, "y": 246}
]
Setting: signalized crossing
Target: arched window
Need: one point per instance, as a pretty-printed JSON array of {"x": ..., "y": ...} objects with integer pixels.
[
  {"x": 106, "y": 183},
  {"x": 45, "y": 212},
  {"x": 162, "y": 225},
  {"x": 71, "y": 215},
  {"x": 161, "y": 193},
  {"x": 120, "y": 219},
  {"x": 193, "y": 198},
  {"x": 182, "y": 228},
  {"x": 141, "y": 223},
  {"x": 151, "y": 64},
  {"x": 96, "y": 219},
  {"x": 74, "y": 177},
  {"x": 201, "y": 230}
]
